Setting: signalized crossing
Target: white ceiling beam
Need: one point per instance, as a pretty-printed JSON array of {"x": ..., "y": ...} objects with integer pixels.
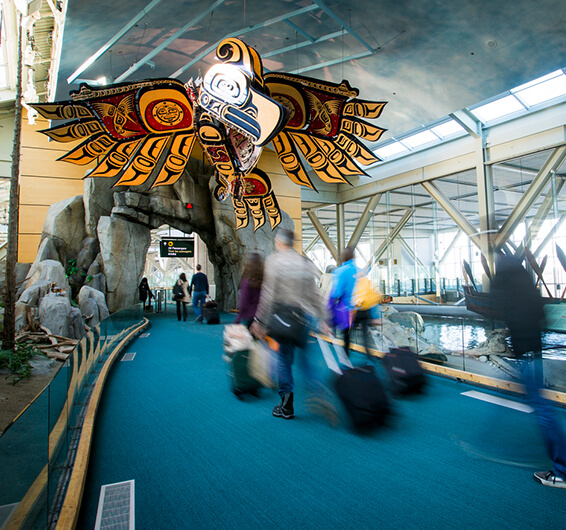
[
  {"x": 93, "y": 58},
  {"x": 138, "y": 64}
]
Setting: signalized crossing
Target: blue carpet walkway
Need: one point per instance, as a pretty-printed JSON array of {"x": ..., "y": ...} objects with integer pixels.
[{"x": 203, "y": 459}]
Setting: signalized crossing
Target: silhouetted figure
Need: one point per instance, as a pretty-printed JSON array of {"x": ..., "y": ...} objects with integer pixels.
[
  {"x": 519, "y": 305},
  {"x": 145, "y": 293},
  {"x": 199, "y": 283}
]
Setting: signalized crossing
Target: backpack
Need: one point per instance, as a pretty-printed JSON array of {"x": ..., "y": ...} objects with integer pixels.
[
  {"x": 178, "y": 292},
  {"x": 365, "y": 296}
]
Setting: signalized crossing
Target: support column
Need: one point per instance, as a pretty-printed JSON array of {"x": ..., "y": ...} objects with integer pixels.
[
  {"x": 530, "y": 196},
  {"x": 486, "y": 208},
  {"x": 340, "y": 229},
  {"x": 323, "y": 235},
  {"x": 364, "y": 220}
]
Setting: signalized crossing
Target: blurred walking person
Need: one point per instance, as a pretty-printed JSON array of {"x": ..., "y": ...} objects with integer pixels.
[
  {"x": 199, "y": 283},
  {"x": 250, "y": 289},
  {"x": 289, "y": 296},
  {"x": 519, "y": 305},
  {"x": 351, "y": 301}
]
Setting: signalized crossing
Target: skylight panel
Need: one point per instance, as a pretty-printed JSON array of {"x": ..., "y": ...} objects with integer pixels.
[
  {"x": 541, "y": 92},
  {"x": 390, "y": 150},
  {"x": 498, "y": 109},
  {"x": 421, "y": 138},
  {"x": 448, "y": 128},
  {"x": 539, "y": 80}
]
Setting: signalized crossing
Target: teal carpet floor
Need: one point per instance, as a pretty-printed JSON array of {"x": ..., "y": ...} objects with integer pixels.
[{"x": 203, "y": 459}]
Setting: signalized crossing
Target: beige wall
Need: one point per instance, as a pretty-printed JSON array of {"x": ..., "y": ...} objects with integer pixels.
[
  {"x": 287, "y": 192},
  {"x": 43, "y": 182}
]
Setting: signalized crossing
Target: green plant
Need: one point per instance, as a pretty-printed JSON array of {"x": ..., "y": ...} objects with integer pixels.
[
  {"x": 71, "y": 268},
  {"x": 17, "y": 361},
  {"x": 89, "y": 278}
]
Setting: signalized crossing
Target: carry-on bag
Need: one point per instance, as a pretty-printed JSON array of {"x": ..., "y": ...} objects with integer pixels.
[
  {"x": 359, "y": 389},
  {"x": 210, "y": 312},
  {"x": 263, "y": 364},
  {"x": 404, "y": 370},
  {"x": 241, "y": 380}
]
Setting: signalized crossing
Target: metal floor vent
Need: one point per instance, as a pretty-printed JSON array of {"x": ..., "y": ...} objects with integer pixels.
[
  {"x": 6, "y": 512},
  {"x": 144, "y": 335},
  {"x": 116, "y": 506},
  {"x": 129, "y": 356}
]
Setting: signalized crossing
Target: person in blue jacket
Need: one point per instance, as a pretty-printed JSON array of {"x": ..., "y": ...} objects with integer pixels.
[{"x": 341, "y": 305}]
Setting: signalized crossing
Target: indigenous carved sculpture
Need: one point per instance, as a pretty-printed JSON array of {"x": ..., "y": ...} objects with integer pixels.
[{"x": 138, "y": 130}]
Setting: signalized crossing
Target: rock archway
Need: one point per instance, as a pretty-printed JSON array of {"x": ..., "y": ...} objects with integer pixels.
[{"x": 101, "y": 238}]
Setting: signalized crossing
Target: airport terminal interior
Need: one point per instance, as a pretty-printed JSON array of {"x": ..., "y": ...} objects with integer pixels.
[{"x": 431, "y": 137}]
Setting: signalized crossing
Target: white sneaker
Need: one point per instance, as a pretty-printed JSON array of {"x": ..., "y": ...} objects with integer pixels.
[{"x": 548, "y": 478}]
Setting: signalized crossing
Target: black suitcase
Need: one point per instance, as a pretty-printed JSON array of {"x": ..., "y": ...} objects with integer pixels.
[
  {"x": 241, "y": 380},
  {"x": 210, "y": 312},
  {"x": 363, "y": 396},
  {"x": 404, "y": 370}
]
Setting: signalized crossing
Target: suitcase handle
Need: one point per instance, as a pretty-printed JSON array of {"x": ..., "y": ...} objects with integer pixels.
[{"x": 329, "y": 357}]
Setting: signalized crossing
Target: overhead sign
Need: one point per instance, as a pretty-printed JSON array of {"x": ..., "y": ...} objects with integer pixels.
[{"x": 177, "y": 248}]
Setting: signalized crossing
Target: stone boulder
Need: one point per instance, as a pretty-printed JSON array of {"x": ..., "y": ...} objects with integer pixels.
[
  {"x": 495, "y": 344},
  {"x": 22, "y": 270},
  {"x": 92, "y": 305},
  {"x": 98, "y": 201},
  {"x": 88, "y": 253},
  {"x": 54, "y": 314},
  {"x": 123, "y": 249},
  {"x": 77, "y": 328},
  {"x": 98, "y": 282},
  {"x": 65, "y": 226},
  {"x": 51, "y": 271}
]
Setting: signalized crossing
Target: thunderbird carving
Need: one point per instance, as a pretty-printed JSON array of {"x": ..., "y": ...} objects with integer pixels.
[{"x": 147, "y": 129}]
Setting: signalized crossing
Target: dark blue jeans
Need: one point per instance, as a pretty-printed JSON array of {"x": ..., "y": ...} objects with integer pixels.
[
  {"x": 553, "y": 435},
  {"x": 199, "y": 298},
  {"x": 285, "y": 360}
]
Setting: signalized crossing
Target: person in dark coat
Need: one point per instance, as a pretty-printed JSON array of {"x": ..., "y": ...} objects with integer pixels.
[
  {"x": 199, "y": 283},
  {"x": 145, "y": 293},
  {"x": 518, "y": 303},
  {"x": 250, "y": 289}
]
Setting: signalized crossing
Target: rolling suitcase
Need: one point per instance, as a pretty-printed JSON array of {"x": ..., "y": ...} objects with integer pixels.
[
  {"x": 405, "y": 372},
  {"x": 359, "y": 389},
  {"x": 363, "y": 396},
  {"x": 241, "y": 380},
  {"x": 210, "y": 312}
]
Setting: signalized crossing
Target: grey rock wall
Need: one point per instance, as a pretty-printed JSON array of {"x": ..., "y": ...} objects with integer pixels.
[{"x": 123, "y": 248}]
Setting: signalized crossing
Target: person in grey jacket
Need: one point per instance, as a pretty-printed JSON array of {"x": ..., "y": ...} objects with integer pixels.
[{"x": 288, "y": 278}]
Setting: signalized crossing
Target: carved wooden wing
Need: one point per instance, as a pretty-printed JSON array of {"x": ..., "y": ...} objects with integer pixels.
[
  {"x": 324, "y": 126},
  {"x": 132, "y": 130}
]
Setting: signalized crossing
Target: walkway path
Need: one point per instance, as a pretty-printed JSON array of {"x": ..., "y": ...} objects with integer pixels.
[{"x": 201, "y": 458}]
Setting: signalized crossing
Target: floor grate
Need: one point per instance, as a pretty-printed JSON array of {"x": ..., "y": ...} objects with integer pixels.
[
  {"x": 129, "y": 356},
  {"x": 116, "y": 506}
]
